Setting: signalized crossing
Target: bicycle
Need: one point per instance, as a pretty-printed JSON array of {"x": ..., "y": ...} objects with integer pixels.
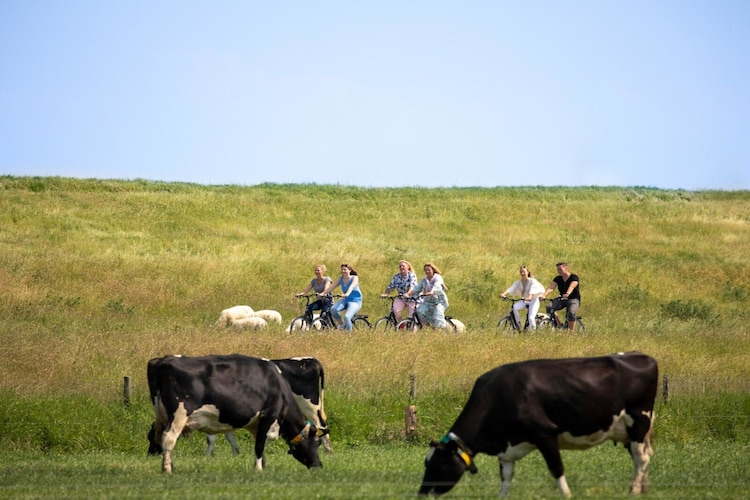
[
  {"x": 414, "y": 322},
  {"x": 508, "y": 324},
  {"x": 325, "y": 320},
  {"x": 388, "y": 322},
  {"x": 308, "y": 320},
  {"x": 550, "y": 321}
]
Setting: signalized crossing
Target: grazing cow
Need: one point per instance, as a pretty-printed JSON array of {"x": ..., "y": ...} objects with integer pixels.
[
  {"x": 217, "y": 394},
  {"x": 307, "y": 380},
  {"x": 549, "y": 404}
]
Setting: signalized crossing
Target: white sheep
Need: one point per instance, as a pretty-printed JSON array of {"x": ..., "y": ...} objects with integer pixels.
[
  {"x": 460, "y": 327},
  {"x": 251, "y": 323},
  {"x": 269, "y": 315},
  {"x": 229, "y": 316}
]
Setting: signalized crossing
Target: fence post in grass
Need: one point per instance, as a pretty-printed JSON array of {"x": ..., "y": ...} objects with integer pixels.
[
  {"x": 126, "y": 391},
  {"x": 665, "y": 389},
  {"x": 410, "y": 411}
]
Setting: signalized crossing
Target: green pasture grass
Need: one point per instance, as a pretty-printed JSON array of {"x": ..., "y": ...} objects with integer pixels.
[
  {"x": 696, "y": 470},
  {"x": 99, "y": 276}
]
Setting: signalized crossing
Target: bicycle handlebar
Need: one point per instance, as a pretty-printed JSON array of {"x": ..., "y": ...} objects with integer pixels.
[{"x": 512, "y": 299}]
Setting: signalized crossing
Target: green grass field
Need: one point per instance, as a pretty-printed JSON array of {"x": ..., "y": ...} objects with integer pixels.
[
  {"x": 97, "y": 277},
  {"x": 708, "y": 470}
]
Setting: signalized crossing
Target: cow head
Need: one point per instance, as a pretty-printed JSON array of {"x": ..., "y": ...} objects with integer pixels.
[
  {"x": 444, "y": 465},
  {"x": 304, "y": 446},
  {"x": 154, "y": 447}
]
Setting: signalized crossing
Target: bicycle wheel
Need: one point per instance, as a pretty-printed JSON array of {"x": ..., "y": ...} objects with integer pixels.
[
  {"x": 384, "y": 324},
  {"x": 544, "y": 323},
  {"x": 507, "y": 326},
  {"x": 580, "y": 327},
  {"x": 407, "y": 325},
  {"x": 299, "y": 323},
  {"x": 360, "y": 323}
]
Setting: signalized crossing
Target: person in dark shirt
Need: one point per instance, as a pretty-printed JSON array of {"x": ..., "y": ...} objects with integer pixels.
[{"x": 570, "y": 294}]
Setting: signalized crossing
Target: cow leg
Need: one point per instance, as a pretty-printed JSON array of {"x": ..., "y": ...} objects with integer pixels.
[
  {"x": 506, "y": 473},
  {"x": 551, "y": 453},
  {"x": 169, "y": 438},
  {"x": 641, "y": 453},
  {"x": 264, "y": 425},
  {"x": 210, "y": 442},
  {"x": 232, "y": 438}
]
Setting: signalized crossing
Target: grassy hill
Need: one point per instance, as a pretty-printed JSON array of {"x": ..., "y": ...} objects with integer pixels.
[{"x": 99, "y": 276}]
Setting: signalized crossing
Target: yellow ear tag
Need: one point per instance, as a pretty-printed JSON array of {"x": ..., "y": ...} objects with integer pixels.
[{"x": 466, "y": 458}]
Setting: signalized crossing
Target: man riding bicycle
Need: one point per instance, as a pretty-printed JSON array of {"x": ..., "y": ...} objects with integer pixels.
[{"x": 570, "y": 295}]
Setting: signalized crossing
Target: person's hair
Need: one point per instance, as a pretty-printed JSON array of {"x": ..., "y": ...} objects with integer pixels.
[
  {"x": 527, "y": 270},
  {"x": 350, "y": 268},
  {"x": 322, "y": 266},
  {"x": 561, "y": 264},
  {"x": 408, "y": 266},
  {"x": 432, "y": 266}
]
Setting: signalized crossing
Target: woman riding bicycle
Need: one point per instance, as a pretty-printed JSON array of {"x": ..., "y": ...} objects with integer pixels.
[
  {"x": 319, "y": 284},
  {"x": 351, "y": 297},
  {"x": 530, "y": 290},
  {"x": 403, "y": 282},
  {"x": 432, "y": 289}
]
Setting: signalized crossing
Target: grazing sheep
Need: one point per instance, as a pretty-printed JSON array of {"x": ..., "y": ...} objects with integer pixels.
[
  {"x": 460, "y": 327},
  {"x": 269, "y": 315},
  {"x": 251, "y": 323},
  {"x": 229, "y": 316}
]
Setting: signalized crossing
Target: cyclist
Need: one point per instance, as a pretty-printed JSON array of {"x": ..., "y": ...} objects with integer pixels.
[
  {"x": 403, "y": 282},
  {"x": 351, "y": 297},
  {"x": 530, "y": 290},
  {"x": 432, "y": 288},
  {"x": 318, "y": 283},
  {"x": 570, "y": 295}
]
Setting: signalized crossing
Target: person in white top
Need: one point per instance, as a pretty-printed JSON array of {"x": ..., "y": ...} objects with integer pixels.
[{"x": 530, "y": 290}]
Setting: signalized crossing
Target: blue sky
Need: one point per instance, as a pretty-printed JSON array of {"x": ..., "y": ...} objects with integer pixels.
[{"x": 386, "y": 93}]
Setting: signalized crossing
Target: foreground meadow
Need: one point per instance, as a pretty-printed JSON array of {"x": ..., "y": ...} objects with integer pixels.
[
  {"x": 382, "y": 471},
  {"x": 97, "y": 277}
]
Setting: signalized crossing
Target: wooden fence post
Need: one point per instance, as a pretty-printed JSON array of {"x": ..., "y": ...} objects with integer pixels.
[
  {"x": 126, "y": 391},
  {"x": 410, "y": 411}
]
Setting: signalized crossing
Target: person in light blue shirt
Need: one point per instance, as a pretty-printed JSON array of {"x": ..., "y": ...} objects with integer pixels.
[{"x": 351, "y": 297}]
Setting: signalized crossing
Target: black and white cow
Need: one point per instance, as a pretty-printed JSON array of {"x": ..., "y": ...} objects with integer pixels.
[
  {"x": 307, "y": 380},
  {"x": 549, "y": 404},
  {"x": 217, "y": 394}
]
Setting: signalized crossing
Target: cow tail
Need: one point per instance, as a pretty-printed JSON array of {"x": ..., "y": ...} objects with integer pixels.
[{"x": 321, "y": 410}]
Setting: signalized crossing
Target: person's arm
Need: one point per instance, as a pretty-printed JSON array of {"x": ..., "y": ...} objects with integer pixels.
[
  {"x": 389, "y": 288},
  {"x": 549, "y": 289},
  {"x": 330, "y": 287},
  {"x": 510, "y": 290},
  {"x": 309, "y": 287},
  {"x": 572, "y": 286},
  {"x": 415, "y": 289},
  {"x": 352, "y": 286}
]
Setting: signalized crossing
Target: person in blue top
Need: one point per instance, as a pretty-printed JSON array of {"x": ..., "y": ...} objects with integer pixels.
[{"x": 351, "y": 300}]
